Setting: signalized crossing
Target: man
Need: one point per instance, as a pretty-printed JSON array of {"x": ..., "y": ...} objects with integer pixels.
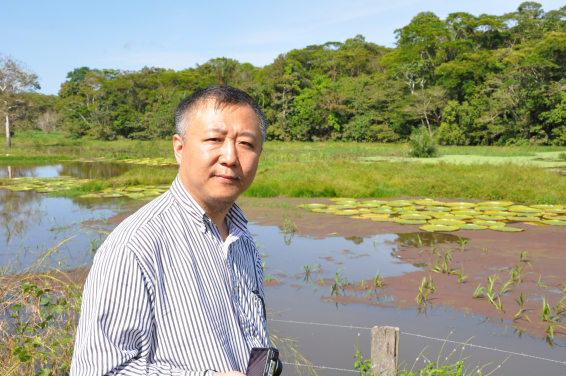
[{"x": 177, "y": 288}]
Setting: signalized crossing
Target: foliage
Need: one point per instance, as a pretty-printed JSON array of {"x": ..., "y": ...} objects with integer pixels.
[
  {"x": 422, "y": 144},
  {"x": 473, "y": 80},
  {"x": 15, "y": 81},
  {"x": 38, "y": 338}
]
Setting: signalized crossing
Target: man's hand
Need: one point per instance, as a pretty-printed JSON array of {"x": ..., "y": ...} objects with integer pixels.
[{"x": 231, "y": 373}]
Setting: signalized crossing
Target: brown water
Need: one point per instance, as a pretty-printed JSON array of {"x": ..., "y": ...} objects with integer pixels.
[{"x": 326, "y": 332}]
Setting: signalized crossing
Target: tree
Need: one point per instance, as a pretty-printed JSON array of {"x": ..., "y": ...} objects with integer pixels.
[{"x": 15, "y": 80}]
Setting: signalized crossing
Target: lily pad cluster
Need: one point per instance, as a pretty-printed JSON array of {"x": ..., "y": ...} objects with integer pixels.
[
  {"x": 42, "y": 185},
  {"x": 432, "y": 215},
  {"x": 141, "y": 192},
  {"x": 150, "y": 161}
]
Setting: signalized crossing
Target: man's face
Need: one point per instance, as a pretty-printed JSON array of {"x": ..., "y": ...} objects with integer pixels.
[{"x": 219, "y": 156}]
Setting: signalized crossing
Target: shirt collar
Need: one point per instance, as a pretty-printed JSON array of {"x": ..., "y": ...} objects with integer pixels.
[{"x": 237, "y": 221}]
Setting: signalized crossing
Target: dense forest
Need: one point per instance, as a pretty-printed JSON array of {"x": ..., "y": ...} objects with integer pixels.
[{"x": 470, "y": 80}]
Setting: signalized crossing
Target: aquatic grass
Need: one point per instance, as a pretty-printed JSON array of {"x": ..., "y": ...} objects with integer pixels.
[
  {"x": 521, "y": 313},
  {"x": 490, "y": 293},
  {"x": 342, "y": 178},
  {"x": 289, "y": 227},
  {"x": 461, "y": 276},
  {"x": 328, "y": 169},
  {"x": 517, "y": 274},
  {"x": 377, "y": 281},
  {"x": 462, "y": 242},
  {"x": 425, "y": 289}
]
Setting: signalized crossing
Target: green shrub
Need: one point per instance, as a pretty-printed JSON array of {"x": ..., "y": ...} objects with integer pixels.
[{"x": 422, "y": 144}]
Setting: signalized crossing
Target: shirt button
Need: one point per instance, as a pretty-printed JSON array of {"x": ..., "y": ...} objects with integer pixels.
[
  {"x": 247, "y": 330},
  {"x": 236, "y": 289}
]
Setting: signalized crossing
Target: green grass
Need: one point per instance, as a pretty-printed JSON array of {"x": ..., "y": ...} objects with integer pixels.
[
  {"x": 347, "y": 179},
  {"x": 322, "y": 169}
]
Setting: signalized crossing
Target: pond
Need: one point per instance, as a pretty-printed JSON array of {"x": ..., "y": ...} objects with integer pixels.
[
  {"x": 80, "y": 170},
  {"x": 299, "y": 273}
]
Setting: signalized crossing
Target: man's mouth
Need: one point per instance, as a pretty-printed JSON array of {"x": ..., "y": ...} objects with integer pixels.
[{"x": 228, "y": 177}]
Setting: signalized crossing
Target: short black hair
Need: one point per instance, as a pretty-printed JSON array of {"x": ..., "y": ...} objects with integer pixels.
[{"x": 223, "y": 96}]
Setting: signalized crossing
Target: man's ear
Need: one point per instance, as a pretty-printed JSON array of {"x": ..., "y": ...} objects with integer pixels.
[{"x": 178, "y": 146}]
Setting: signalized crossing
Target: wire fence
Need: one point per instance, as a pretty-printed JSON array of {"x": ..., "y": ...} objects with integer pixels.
[{"x": 464, "y": 344}]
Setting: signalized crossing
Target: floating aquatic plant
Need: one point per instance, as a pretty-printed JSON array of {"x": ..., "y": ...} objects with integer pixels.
[{"x": 446, "y": 216}]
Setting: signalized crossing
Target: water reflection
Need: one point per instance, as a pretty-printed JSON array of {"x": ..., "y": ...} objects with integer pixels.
[
  {"x": 81, "y": 170},
  {"x": 63, "y": 232},
  {"x": 418, "y": 239}
]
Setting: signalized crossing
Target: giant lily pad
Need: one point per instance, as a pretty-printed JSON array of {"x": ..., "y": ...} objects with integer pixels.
[
  {"x": 438, "y": 208},
  {"x": 446, "y": 222},
  {"x": 471, "y": 226},
  {"x": 524, "y": 209},
  {"x": 466, "y": 212},
  {"x": 375, "y": 202},
  {"x": 437, "y": 228},
  {"x": 383, "y": 211},
  {"x": 546, "y": 207},
  {"x": 524, "y": 219},
  {"x": 506, "y": 229},
  {"x": 410, "y": 221},
  {"x": 369, "y": 205},
  {"x": 373, "y": 215},
  {"x": 376, "y": 219},
  {"x": 415, "y": 216},
  {"x": 491, "y": 208},
  {"x": 496, "y": 203},
  {"x": 460, "y": 204},
  {"x": 346, "y": 212},
  {"x": 498, "y": 213},
  {"x": 558, "y": 218},
  {"x": 342, "y": 207},
  {"x": 308, "y": 206},
  {"x": 491, "y": 218},
  {"x": 459, "y": 217},
  {"x": 555, "y": 223},
  {"x": 429, "y": 203},
  {"x": 555, "y": 211},
  {"x": 488, "y": 223}
]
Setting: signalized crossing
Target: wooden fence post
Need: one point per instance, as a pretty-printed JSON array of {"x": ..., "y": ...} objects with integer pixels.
[{"x": 384, "y": 350}]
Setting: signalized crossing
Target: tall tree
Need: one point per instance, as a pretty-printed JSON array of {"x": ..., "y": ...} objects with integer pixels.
[{"x": 15, "y": 80}]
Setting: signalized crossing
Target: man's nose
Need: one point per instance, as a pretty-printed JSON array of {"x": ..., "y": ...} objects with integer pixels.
[{"x": 228, "y": 153}]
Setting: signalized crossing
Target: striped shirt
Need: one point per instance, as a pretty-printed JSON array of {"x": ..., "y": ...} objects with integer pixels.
[{"x": 166, "y": 295}]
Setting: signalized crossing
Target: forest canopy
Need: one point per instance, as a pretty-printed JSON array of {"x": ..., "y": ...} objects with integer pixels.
[{"x": 470, "y": 80}]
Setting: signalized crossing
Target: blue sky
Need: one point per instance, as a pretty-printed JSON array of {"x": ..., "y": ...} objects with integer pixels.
[{"x": 53, "y": 38}]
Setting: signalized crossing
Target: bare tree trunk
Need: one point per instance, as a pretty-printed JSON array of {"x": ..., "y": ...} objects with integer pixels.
[{"x": 8, "y": 141}]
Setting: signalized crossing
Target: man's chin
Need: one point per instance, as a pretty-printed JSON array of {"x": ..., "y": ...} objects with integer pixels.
[{"x": 221, "y": 202}]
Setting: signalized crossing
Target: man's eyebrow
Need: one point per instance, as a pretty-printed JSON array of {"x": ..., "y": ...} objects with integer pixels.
[{"x": 223, "y": 131}]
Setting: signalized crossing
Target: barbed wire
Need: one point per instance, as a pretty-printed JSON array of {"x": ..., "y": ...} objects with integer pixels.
[
  {"x": 464, "y": 344},
  {"x": 321, "y": 367}
]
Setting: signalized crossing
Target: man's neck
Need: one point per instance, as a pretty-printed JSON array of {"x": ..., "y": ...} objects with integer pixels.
[{"x": 217, "y": 217}]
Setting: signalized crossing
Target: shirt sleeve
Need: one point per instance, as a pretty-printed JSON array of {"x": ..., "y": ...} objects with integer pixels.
[{"x": 116, "y": 327}]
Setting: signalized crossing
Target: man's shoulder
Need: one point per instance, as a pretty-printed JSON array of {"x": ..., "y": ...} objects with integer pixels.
[{"x": 150, "y": 215}]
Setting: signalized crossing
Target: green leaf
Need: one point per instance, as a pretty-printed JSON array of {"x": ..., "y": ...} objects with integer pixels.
[
  {"x": 66, "y": 340},
  {"x": 15, "y": 307},
  {"x": 44, "y": 301},
  {"x": 25, "y": 287},
  {"x": 45, "y": 372}
]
